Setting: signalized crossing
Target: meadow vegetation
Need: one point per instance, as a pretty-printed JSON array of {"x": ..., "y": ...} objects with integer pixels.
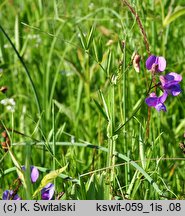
[{"x": 76, "y": 105}]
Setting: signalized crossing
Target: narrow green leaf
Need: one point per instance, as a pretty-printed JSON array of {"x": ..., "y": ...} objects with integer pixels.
[
  {"x": 171, "y": 17},
  {"x": 65, "y": 110},
  {"x": 56, "y": 9},
  {"x": 101, "y": 110},
  {"x": 79, "y": 96},
  {"x": 104, "y": 105},
  {"x": 40, "y": 6},
  {"x": 100, "y": 50},
  {"x": 180, "y": 127},
  {"x": 18, "y": 168},
  {"x": 119, "y": 155},
  {"x": 83, "y": 39},
  {"x": 91, "y": 188},
  {"x": 109, "y": 60},
  {"x": 82, "y": 190},
  {"x": 90, "y": 36},
  {"x": 17, "y": 42},
  {"x": 101, "y": 186},
  {"x": 49, "y": 178}
]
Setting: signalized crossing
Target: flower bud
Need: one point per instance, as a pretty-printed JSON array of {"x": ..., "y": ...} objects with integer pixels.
[
  {"x": 4, "y": 89},
  {"x": 136, "y": 62}
]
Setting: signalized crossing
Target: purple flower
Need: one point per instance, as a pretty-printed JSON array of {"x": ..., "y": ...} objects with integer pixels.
[
  {"x": 170, "y": 83},
  {"x": 157, "y": 102},
  {"x": 156, "y": 63},
  {"x": 47, "y": 192},
  {"x": 34, "y": 173},
  {"x": 7, "y": 195}
]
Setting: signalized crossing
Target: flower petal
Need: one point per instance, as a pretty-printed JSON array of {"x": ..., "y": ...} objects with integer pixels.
[
  {"x": 34, "y": 174},
  {"x": 174, "y": 90},
  {"x": 47, "y": 192},
  {"x": 152, "y": 100},
  {"x": 161, "y": 62},
  {"x": 169, "y": 83},
  {"x": 157, "y": 102},
  {"x": 160, "y": 106},
  {"x": 7, "y": 195},
  {"x": 163, "y": 97},
  {"x": 150, "y": 61},
  {"x": 170, "y": 79},
  {"x": 177, "y": 77}
]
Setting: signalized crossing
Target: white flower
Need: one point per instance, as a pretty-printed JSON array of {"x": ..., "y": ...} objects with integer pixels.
[
  {"x": 91, "y": 6},
  {"x": 10, "y": 108},
  {"x": 9, "y": 103},
  {"x": 36, "y": 38},
  {"x": 6, "y": 46},
  {"x": 12, "y": 102},
  {"x": 4, "y": 102}
]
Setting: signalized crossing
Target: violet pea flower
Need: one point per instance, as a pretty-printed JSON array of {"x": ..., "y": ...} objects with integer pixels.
[
  {"x": 156, "y": 63},
  {"x": 170, "y": 83},
  {"x": 47, "y": 192},
  {"x": 34, "y": 173},
  {"x": 157, "y": 102},
  {"x": 7, "y": 195}
]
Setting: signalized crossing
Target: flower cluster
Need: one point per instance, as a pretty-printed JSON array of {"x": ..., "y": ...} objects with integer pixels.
[
  {"x": 9, "y": 103},
  {"x": 169, "y": 83},
  {"x": 9, "y": 194},
  {"x": 46, "y": 193}
]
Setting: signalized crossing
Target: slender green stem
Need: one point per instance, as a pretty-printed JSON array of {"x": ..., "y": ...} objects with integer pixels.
[
  {"x": 124, "y": 107},
  {"x": 87, "y": 91},
  {"x": 143, "y": 33},
  {"x": 12, "y": 137},
  {"x": 163, "y": 36},
  {"x": 111, "y": 141},
  {"x": 54, "y": 141},
  {"x": 141, "y": 147},
  {"x": 153, "y": 29},
  {"x": 131, "y": 185},
  {"x": 27, "y": 171}
]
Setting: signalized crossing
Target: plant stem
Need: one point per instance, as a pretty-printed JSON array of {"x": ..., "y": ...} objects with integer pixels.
[
  {"x": 140, "y": 26},
  {"x": 87, "y": 91},
  {"x": 54, "y": 141},
  {"x": 124, "y": 108},
  {"x": 27, "y": 171}
]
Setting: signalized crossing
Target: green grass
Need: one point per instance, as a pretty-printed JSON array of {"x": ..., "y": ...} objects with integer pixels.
[{"x": 80, "y": 103}]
